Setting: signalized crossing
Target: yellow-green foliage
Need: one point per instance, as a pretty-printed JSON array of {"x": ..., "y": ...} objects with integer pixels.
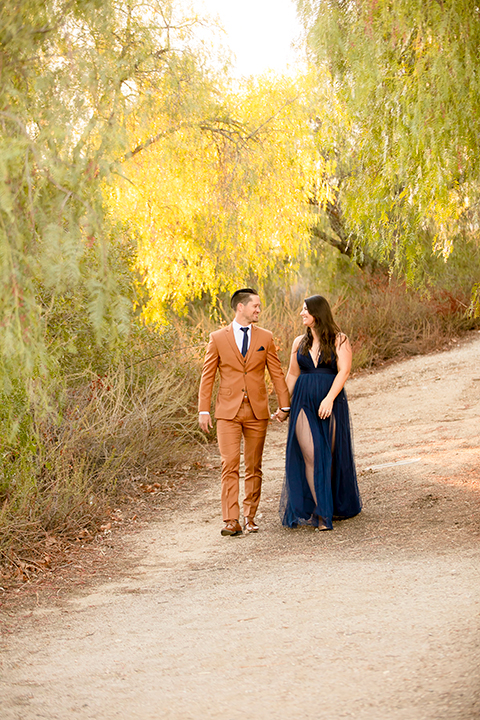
[
  {"x": 73, "y": 76},
  {"x": 407, "y": 73},
  {"x": 220, "y": 203}
]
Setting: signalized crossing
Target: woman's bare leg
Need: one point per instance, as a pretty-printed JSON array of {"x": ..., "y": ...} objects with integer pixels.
[{"x": 305, "y": 440}]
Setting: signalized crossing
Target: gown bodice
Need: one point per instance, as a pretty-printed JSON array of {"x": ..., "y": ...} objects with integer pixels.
[
  {"x": 307, "y": 366},
  {"x": 329, "y": 442}
]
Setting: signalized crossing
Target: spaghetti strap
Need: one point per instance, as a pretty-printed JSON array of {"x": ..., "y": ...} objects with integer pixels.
[{"x": 320, "y": 476}]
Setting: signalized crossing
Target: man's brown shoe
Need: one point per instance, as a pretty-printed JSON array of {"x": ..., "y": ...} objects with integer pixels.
[
  {"x": 250, "y": 526},
  {"x": 231, "y": 528}
]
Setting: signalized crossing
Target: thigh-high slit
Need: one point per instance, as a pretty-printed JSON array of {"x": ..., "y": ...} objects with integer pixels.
[
  {"x": 305, "y": 442},
  {"x": 320, "y": 477}
]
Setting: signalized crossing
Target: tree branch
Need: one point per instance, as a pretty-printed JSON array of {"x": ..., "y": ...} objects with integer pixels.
[
  {"x": 229, "y": 130},
  {"x": 330, "y": 240}
]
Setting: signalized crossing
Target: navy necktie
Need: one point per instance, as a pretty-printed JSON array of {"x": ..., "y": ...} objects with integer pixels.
[{"x": 245, "y": 341}]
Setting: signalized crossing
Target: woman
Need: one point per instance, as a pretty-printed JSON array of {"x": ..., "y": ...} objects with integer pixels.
[{"x": 320, "y": 479}]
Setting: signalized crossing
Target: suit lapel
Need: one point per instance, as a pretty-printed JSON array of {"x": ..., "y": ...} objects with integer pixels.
[
  {"x": 253, "y": 343},
  {"x": 231, "y": 339}
]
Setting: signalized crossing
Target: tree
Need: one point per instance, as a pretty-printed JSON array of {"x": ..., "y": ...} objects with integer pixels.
[
  {"x": 73, "y": 75},
  {"x": 407, "y": 73},
  {"x": 223, "y": 201}
]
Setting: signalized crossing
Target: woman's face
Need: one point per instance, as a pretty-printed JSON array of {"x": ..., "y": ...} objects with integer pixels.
[{"x": 308, "y": 320}]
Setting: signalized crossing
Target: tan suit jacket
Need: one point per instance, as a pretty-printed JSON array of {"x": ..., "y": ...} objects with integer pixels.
[{"x": 240, "y": 376}]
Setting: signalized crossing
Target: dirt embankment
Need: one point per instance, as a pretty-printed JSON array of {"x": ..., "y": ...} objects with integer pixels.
[{"x": 376, "y": 620}]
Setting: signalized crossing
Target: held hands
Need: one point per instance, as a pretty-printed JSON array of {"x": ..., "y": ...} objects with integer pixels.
[
  {"x": 325, "y": 408},
  {"x": 280, "y": 415},
  {"x": 205, "y": 422}
]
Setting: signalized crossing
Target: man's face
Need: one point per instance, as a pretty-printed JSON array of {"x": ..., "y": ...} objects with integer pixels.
[{"x": 251, "y": 310}]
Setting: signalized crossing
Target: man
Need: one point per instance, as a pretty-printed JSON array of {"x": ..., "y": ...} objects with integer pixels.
[{"x": 240, "y": 352}]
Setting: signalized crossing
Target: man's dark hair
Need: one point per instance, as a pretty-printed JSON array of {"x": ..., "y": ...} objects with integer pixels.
[{"x": 241, "y": 296}]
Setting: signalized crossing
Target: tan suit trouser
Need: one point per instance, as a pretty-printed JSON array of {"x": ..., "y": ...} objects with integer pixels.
[{"x": 229, "y": 434}]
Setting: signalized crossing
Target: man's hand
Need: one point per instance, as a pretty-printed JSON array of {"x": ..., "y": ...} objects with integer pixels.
[
  {"x": 280, "y": 415},
  {"x": 205, "y": 422}
]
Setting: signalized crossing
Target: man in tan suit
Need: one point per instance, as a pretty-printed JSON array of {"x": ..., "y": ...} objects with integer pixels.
[{"x": 240, "y": 352}]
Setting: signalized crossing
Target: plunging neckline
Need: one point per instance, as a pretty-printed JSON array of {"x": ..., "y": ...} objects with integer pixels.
[{"x": 315, "y": 364}]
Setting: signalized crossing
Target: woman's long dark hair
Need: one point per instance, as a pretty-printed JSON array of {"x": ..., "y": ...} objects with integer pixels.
[{"x": 325, "y": 327}]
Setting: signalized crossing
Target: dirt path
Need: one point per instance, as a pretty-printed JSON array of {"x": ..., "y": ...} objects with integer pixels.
[{"x": 376, "y": 620}]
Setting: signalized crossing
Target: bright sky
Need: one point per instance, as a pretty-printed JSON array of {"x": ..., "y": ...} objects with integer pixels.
[{"x": 259, "y": 32}]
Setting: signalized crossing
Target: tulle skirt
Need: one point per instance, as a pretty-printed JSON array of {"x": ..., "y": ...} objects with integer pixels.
[{"x": 330, "y": 443}]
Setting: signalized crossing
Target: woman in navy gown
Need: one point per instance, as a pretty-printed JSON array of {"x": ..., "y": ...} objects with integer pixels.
[{"x": 320, "y": 477}]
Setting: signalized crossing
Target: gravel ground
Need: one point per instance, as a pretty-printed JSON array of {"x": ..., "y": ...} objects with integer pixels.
[{"x": 376, "y": 620}]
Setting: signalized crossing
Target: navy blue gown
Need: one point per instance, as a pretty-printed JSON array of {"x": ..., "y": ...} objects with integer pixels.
[{"x": 330, "y": 442}]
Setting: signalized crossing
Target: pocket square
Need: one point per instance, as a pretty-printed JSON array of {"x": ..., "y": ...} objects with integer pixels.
[{"x": 260, "y": 348}]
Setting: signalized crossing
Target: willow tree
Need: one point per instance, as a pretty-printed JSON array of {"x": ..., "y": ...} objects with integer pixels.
[
  {"x": 224, "y": 201},
  {"x": 407, "y": 72},
  {"x": 72, "y": 76}
]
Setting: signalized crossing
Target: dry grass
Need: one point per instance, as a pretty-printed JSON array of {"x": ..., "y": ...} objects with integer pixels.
[
  {"x": 115, "y": 431},
  {"x": 126, "y": 428},
  {"x": 383, "y": 319},
  {"x": 386, "y": 321}
]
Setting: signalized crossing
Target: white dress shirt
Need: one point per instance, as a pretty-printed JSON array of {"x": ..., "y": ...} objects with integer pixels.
[{"x": 238, "y": 333}]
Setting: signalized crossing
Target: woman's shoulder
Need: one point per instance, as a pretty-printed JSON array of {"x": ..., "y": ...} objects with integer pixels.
[{"x": 341, "y": 340}]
